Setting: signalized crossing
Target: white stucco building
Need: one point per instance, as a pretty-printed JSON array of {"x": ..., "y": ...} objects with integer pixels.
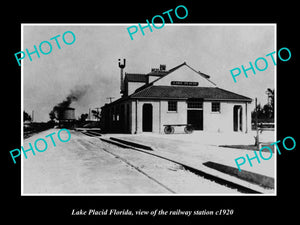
[{"x": 180, "y": 95}]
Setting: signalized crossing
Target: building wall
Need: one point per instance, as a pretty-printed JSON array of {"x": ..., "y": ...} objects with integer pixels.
[
  {"x": 133, "y": 117},
  {"x": 117, "y": 117},
  {"x": 218, "y": 122},
  {"x": 137, "y": 122},
  {"x": 152, "y": 78},
  {"x": 160, "y": 115},
  {"x": 212, "y": 121},
  {"x": 249, "y": 107},
  {"x": 223, "y": 121},
  {"x": 179, "y": 117},
  {"x": 132, "y": 86},
  {"x": 184, "y": 74}
]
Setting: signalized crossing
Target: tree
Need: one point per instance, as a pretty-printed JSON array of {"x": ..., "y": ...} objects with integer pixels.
[
  {"x": 270, "y": 94},
  {"x": 257, "y": 111},
  {"x": 26, "y": 116},
  {"x": 52, "y": 115},
  {"x": 267, "y": 111},
  {"x": 83, "y": 117}
]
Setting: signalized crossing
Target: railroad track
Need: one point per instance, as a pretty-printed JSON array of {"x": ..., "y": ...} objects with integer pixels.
[
  {"x": 146, "y": 150},
  {"x": 140, "y": 171},
  {"x": 91, "y": 133},
  {"x": 127, "y": 162}
]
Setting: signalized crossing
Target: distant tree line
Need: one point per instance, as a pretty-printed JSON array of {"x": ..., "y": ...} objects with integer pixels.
[
  {"x": 265, "y": 113},
  {"x": 26, "y": 116}
]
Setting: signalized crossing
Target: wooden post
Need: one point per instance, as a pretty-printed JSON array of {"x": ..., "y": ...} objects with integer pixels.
[{"x": 256, "y": 125}]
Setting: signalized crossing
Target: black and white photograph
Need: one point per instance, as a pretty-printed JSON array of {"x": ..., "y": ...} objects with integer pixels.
[
  {"x": 160, "y": 114},
  {"x": 169, "y": 112}
]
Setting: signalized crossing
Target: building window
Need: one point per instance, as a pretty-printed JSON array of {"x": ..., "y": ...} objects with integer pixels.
[
  {"x": 113, "y": 114},
  {"x": 117, "y": 115},
  {"x": 215, "y": 107},
  {"x": 172, "y": 106}
]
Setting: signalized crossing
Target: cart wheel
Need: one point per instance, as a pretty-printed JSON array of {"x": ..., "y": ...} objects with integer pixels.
[
  {"x": 169, "y": 130},
  {"x": 188, "y": 129}
]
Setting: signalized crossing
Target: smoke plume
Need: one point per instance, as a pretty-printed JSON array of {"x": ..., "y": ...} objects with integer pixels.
[{"x": 75, "y": 94}]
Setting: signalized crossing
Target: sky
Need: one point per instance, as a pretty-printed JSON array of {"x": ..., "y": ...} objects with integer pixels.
[{"x": 91, "y": 62}]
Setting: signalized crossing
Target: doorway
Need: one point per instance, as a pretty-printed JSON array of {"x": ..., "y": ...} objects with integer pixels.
[
  {"x": 237, "y": 118},
  {"x": 195, "y": 118},
  {"x": 147, "y": 118},
  {"x": 195, "y": 113}
]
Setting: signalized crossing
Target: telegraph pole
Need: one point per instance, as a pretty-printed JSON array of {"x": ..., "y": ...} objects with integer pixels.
[{"x": 256, "y": 125}]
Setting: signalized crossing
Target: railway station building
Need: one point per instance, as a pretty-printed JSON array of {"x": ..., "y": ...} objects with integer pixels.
[{"x": 181, "y": 95}]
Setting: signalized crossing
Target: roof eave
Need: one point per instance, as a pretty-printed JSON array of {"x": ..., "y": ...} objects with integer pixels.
[{"x": 204, "y": 99}]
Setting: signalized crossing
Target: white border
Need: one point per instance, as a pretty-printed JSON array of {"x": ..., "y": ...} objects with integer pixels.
[
  {"x": 22, "y": 109},
  {"x": 166, "y": 24},
  {"x": 275, "y": 113}
]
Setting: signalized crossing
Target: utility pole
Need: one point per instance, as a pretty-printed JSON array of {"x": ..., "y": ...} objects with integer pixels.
[{"x": 256, "y": 125}]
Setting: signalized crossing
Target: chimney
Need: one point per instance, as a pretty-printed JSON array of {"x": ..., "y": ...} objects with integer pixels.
[
  {"x": 122, "y": 66},
  {"x": 162, "y": 67}
]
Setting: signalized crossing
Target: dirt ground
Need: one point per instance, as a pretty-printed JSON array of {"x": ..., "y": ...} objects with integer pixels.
[
  {"x": 86, "y": 165},
  {"x": 201, "y": 147}
]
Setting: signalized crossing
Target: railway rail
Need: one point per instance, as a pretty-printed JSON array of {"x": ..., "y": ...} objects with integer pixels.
[{"x": 202, "y": 174}]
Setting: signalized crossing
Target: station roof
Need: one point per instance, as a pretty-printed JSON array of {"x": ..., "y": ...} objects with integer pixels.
[
  {"x": 176, "y": 92},
  {"x": 135, "y": 77},
  {"x": 140, "y": 77},
  {"x": 158, "y": 92}
]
